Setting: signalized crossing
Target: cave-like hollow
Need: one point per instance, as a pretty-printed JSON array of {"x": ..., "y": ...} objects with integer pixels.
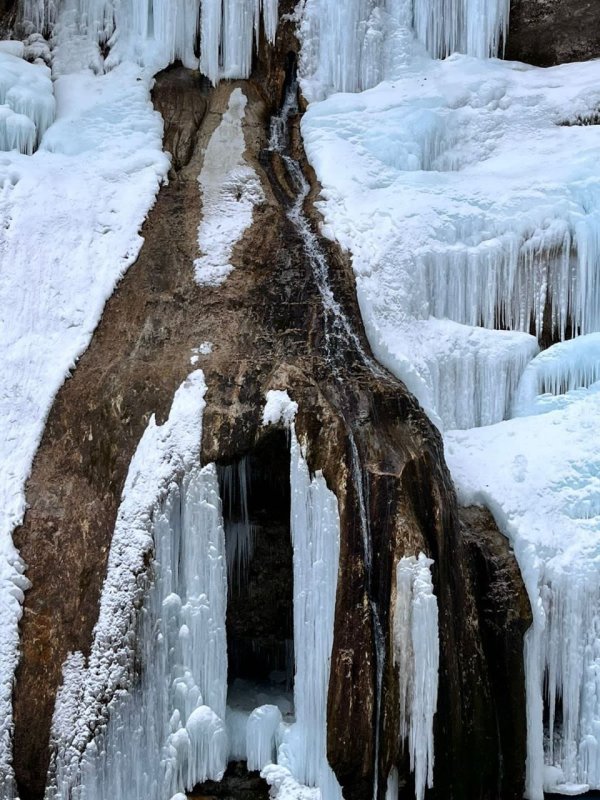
[{"x": 255, "y": 494}]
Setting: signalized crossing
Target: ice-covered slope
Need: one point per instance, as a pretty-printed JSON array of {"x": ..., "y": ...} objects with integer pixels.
[
  {"x": 540, "y": 476},
  {"x": 69, "y": 221},
  {"x": 454, "y": 220}
]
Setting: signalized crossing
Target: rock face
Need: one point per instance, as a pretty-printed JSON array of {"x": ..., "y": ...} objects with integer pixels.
[
  {"x": 269, "y": 330},
  {"x": 549, "y": 32}
]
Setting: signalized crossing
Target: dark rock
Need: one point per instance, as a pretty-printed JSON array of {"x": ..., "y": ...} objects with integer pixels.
[{"x": 549, "y": 32}]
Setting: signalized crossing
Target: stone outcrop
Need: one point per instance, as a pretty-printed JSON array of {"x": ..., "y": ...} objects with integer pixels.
[
  {"x": 549, "y": 32},
  {"x": 269, "y": 330}
]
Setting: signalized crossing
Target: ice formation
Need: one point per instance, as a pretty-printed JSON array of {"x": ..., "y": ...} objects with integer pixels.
[
  {"x": 469, "y": 202},
  {"x": 315, "y": 527},
  {"x": 540, "y": 476},
  {"x": 416, "y": 654},
  {"x": 154, "y": 690},
  {"x": 229, "y": 190},
  {"x": 558, "y": 371},
  {"x": 353, "y": 46},
  {"x": 239, "y": 532},
  {"x": 27, "y": 104},
  {"x": 160, "y": 32},
  {"x": 454, "y": 223},
  {"x": 98, "y": 170}
]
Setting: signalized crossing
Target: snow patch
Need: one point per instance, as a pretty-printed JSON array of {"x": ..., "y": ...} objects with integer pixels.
[{"x": 230, "y": 189}]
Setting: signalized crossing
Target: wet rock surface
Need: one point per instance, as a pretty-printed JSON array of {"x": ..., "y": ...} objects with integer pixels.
[
  {"x": 269, "y": 331},
  {"x": 549, "y": 32},
  {"x": 237, "y": 784}
]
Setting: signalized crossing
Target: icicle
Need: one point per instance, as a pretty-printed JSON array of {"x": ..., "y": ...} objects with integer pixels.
[
  {"x": 562, "y": 368},
  {"x": 261, "y": 736},
  {"x": 27, "y": 105},
  {"x": 315, "y": 527},
  {"x": 416, "y": 654},
  {"x": 239, "y": 532}
]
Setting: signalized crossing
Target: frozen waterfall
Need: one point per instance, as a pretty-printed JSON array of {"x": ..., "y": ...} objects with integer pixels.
[
  {"x": 27, "y": 105},
  {"x": 146, "y": 717},
  {"x": 159, "y": 32}
]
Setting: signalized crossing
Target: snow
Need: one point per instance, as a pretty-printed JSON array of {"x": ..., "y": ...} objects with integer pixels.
[
  {"x": 27, "y": 104},
  {"x": 454, "y": 222},
  {"x": 229, "y": 189},
  {"x": 154, "y": 689},
  {"x": 159, "y": 33},
  {"x": 98, "y": 168},
  {"x": 416, "y": 654}
]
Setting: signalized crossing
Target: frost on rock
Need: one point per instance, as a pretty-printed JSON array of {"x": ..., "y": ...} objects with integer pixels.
[
  {"x": 456, "y": 227},
  {"x": 416, "y": 654},
  {"x": 229, "y": 189},
  {"x": 160, "y": 32},
  {"x": 353, "y": 46},
  {"x": 27, "y": 105},
  {"x": 315, "y": 527},
  {"x": 144, "y": 718}
]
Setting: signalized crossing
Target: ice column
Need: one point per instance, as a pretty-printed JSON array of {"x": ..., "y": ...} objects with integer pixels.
[
  {"x": 416, "y": 653},
  {"x": 315, "y": 527},
  {"x": 154, "y": 690}
]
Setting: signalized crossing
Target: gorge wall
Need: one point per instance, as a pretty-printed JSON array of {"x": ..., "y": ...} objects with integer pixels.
[
  {"x": 267, "y": 326},
  {"x": 269, "y": 329}
]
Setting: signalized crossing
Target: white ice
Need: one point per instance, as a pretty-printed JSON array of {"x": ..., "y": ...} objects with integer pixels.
[
  {"x": 354, "y": 45},
  {"x": 549, "y": 380},
  {"x": 27, "y": 105},
  {"x": 540, "y": 476},
  {"x": 158, "y": 33},
  {"x": 69, "y": 221},
  {"x": 154, "y": 689},
  {"x": 315, "y": 527},
  {"x": 229, "y": 190},
  {"x": 416, "y": 654},
  {"x": 455, "y": 222}
]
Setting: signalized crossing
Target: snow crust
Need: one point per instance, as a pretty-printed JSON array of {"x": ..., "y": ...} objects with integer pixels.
[
  {"x": 27, "y": 104},
  {"x": 416, "y": 653},
  {"x": 158, "y": 33},
  {"x": 69, "y": 221},
  {"x": 229, "y": 190},
  {"x": 455, "y": 223}
]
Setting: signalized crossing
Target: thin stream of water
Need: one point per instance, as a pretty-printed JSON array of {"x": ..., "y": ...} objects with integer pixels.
[{"x": 339, "y": 337}]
